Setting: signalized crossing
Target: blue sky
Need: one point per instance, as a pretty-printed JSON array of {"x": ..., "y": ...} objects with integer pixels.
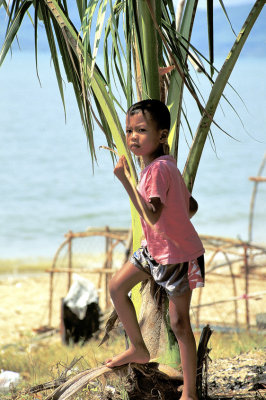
[{"x": 216, "y": 3}]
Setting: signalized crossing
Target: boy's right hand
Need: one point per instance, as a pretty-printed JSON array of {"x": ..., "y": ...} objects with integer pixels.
[{"x": 122, "y": 169}]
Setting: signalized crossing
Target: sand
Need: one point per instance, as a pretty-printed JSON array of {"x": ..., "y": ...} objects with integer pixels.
[{"x": 24, "y": 302}]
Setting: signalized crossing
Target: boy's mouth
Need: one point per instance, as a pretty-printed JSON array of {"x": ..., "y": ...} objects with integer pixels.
[{"x": 134, "y": 146}]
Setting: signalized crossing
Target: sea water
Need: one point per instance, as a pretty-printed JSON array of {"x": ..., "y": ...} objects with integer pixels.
[{"x": 48, "y": 186}]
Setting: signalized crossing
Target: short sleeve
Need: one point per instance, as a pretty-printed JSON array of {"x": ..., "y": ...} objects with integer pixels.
[{"x": 157, "y": 182}]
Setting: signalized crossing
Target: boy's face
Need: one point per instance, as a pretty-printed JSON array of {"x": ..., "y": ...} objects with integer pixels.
[{"x": 143, "y": 136}]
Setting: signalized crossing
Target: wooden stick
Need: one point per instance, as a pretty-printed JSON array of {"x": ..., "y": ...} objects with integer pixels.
[
  {"x": 257, "y": 178},
  {"x": 108, "y": 148},
  {"x": 87, "y": 271},
  {"x": 242, "y": 297},
  {"x": 111, "y": 235}
]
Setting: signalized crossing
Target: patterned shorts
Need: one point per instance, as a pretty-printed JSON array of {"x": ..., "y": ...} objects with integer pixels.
[{"x": 176, "y": 279}]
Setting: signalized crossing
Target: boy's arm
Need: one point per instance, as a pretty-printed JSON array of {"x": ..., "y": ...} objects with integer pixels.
[
  {"x": 152, "y": 210},
  {"x": 193, "y": 206}
]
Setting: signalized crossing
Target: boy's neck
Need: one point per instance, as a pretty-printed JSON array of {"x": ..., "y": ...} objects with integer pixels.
[{"x": 149, "y": 159}]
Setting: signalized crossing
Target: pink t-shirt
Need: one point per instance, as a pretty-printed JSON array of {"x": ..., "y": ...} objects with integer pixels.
[{"x": 173, "y": 239}]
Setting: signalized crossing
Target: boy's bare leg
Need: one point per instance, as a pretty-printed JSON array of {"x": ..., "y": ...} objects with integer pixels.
[
  {"x": 180, "y": 324},
  {"x": 121, "y": 284}
]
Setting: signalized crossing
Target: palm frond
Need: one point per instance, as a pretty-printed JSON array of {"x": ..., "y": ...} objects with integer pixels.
[
  {"x": 226, "y": 14},
  {"x": 210, "y": 33},
  {"x": 174, "y": 99},
  {"x": 13, "y": 26},
  {"x": 86, "y": 26},
  {"x": 4, "y": 3},
  {"x": 53, "y": 50},
  {"x": 98, "y": 33},
  {"x": 215, "y": 96}
]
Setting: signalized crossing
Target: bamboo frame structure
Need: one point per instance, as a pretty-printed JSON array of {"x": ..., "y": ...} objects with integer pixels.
[
  {"x": 112, "y": 238},
  {"x": 242, "y": 252},
  {"x": 257, "y": 179},
  {"x": 233, "y": 251}
]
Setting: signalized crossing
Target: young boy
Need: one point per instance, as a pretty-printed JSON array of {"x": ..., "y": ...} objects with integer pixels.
[{"x": 172, "y": 252}]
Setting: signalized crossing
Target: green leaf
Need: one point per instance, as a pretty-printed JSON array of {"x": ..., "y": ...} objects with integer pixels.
[
  {"x": 52, "y": 45},
  {"x": 13, "y": 28},
  {"x": 98, "y": 33},
  {"x": 149, "y": 49},
  {"x": 194, "y": 156},
  {"x": 86, "y": 30},
  {"x": 175, "y": 92},
  {"x": 4, "y": 3},
  {"x": 37, "y": 15},
  {"x": 224, "y": 9}
]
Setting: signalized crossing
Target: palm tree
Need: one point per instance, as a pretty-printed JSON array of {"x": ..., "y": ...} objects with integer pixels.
[{"x": 147, "y": 54}]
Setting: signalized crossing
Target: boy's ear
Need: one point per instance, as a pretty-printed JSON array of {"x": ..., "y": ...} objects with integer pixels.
[{"x": 164, "y": 136}]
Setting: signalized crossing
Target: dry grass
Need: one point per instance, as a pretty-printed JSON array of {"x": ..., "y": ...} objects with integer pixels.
[
  {"x": 27, "y": 265},
  {"x": 42, "y": 360},
  {"x": 45, "y": 360},
  {"x": 225, "y": 345}
]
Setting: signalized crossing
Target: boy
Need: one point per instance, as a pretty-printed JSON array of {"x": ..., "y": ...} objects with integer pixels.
[{"x": 172, "y": 252}]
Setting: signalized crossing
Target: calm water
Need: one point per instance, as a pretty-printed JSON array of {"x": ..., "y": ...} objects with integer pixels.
[{"x": 46, "y": 178}]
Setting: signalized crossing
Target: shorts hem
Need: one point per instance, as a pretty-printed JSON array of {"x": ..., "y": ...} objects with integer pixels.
[
  {"x": 180, "y": 277},
  {"x": 176, "y": 294}
]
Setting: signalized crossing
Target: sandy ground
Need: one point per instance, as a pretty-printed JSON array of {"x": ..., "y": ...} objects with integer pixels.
[{"x": 24, "y": 302}]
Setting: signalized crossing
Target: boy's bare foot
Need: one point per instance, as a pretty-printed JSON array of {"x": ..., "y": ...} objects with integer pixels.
[
  {"x": 140, "y": 356},
  {"x": 188, "y": 398}
]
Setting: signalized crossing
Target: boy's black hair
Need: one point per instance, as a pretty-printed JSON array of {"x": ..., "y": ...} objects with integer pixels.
[{"x": 157, "y": 109}]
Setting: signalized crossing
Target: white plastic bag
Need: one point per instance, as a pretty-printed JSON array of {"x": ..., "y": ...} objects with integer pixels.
[
  {"x": 8, "y": 378},
  {"x": 81, "y": 293}
]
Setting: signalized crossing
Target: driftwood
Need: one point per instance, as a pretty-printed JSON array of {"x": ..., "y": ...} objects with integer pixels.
[
  {"x": 240, "y": 396},
  {"x": 47, "y": 385},
  {"x": 202, "y": 362},
  {"x": 149, "y": 381},
  {"x": 77, "y": 383},
  {"x": 145, "y": 380}
]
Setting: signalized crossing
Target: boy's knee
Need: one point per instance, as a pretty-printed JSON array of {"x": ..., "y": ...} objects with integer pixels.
[
  {"x": 115, "y": 288},
  {"x": 180, "y": 326}
]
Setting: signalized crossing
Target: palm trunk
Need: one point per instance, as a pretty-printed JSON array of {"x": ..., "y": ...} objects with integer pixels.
[{"x": 154, "y": 326}]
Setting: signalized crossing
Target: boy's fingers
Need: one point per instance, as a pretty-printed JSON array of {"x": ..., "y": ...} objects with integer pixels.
[
  {"x": 120, "y": 161},
  {"x": 126, "y": 166}
]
